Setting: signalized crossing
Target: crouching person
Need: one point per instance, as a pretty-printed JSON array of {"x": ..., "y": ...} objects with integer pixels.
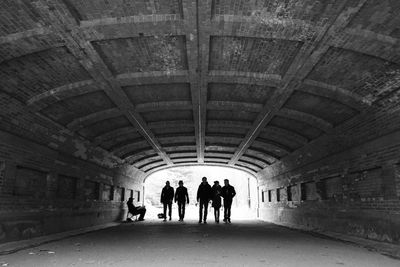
[{"x": 135, "y": 210}]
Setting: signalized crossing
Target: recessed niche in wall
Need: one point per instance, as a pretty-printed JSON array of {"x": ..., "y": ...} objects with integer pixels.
[{"x": 66, "y": 187}]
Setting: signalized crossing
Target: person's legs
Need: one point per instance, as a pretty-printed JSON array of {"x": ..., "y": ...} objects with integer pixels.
[
  {"x": 216, "y": 214},
  {"x": 142, "y": 212},
  {"x": 205, "y": 211},
  {"x": 228, "y": 211},
  {"x": 225, "y": 211},
  {"x": 200, "y": 211},
  {"x": 180, "y": 210},
  {"x": 165, "y": 211},
  {"x": 183, "y": 210},
  {"x": 170, "y": 210}
]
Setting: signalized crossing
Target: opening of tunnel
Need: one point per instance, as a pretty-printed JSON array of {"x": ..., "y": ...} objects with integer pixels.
[{"x": 245, "y": 204}]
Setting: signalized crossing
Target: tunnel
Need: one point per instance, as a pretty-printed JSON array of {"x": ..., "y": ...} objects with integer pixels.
[{"x": 303, "y": 96}]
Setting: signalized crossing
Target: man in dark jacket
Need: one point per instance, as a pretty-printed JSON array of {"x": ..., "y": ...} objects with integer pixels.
[
  {"x": 167, "y": 195},
  {"x": 204, "y": 195},
  {"x": 228, "y": 192},
  {"x": 181, "y": 195}
]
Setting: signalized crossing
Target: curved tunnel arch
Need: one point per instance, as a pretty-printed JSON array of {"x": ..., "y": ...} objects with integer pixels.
[{"x": 199, "y": 165}]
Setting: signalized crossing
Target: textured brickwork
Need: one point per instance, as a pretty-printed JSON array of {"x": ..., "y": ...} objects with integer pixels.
[
  {"x": 67, "y": 110},
  {"x": 378, "y": 16},
  {"x": 304, "y": 129},
  {"x": 356, "y": 181},
  {"x": 25, "y": 45},
  {"x": 158, "y": 93},
  {"x": 17, "y": 17},
  {"x": 66, "y": 187},
  {"x": 331, "y": 111},
  {"x": 239, "y": 93},
  {"x": 253, "y": 55},
  {"x": 2, "y": 173},
  {"x": 143, "y": 54},
  {"x": 93, "y": 9},
  {"x": 46, "y": 70},
  {"x": 356, "y": 72},
  {"x": 40, "y": 184},
  {"x": 295, "y": 9},
  {"x": 104, "y": 126}
]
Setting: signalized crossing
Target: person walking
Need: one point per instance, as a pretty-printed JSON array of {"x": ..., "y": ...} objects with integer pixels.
[
  {"x": 204, "y": 195},
  {"x": 228, "y": 193},
  {"x": 167, "y": 195},
  {"x": 181, "y": 195},
  {"x": 216, "y": 199}
]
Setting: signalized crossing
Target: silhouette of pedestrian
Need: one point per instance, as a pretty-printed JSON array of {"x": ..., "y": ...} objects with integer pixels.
[
  {"x": 204, "y": 195},
  {"x": 167, "y": 195},
  {"x": 228, "y": 192},
  {"x": 216, "y": 200},
  {"x": 181, "y": 195}
]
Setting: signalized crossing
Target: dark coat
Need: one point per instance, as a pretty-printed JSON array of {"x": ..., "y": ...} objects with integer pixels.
[
  {"x": 167, "y": 195},
  {"x": 216, "y": 200},
  {"x": 181, "y": 195},
  {"x": 131, "y": 208},
  {"x": 204, "y": 192},
  {"x": 228, "y": 192}
]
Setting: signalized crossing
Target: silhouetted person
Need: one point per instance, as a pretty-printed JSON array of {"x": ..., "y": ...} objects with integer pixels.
[
  {"x": 216, "y": 199},
  {"x": 204, "y": 195},
  {"x": 228, "y": 192},
  {"x": 135, "y": 210},
  {"x": 181, "y": 195},
  {"x": 167, "y": 195}
]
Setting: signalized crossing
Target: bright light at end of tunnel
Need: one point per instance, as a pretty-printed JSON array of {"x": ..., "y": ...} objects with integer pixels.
[{"x": 244, "y": 205}]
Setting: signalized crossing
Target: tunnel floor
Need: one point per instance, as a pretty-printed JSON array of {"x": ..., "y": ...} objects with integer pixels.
[{"x": 157, "y": 243}]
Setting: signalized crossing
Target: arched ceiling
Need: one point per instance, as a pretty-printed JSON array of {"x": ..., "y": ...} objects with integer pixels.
[{"x": 173, "y": 82}]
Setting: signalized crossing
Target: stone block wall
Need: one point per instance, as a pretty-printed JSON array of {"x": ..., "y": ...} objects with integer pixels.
[
  {"x": 354, "y": 192},
  {"x": 43, "y": 191}
]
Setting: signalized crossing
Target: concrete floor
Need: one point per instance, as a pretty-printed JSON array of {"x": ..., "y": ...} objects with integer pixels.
[{"x": 154, "y": 243}]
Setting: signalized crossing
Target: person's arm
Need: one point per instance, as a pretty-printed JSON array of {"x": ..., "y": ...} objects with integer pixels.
[
  {"x": 187, "y": 196},
  {"x": 134, "y": 207},
  {"x": 223, "y": 192},
  {"x": 162, "y": 196},
  {"x": 233, "y": 192},
  {"x": 198, "y": 194}
]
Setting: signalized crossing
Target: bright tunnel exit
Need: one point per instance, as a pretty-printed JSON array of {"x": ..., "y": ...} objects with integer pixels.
[{"x": 244, "y": 204}]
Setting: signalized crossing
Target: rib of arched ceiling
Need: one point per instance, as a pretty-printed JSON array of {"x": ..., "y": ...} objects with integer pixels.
[{"x": 243, "y": 109}]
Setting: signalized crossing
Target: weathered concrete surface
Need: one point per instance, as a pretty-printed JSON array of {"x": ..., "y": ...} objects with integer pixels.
[{"x": 185, "y": 244}]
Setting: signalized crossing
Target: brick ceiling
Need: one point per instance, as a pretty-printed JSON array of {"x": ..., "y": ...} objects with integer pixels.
[{"x": 174, "y": 82}]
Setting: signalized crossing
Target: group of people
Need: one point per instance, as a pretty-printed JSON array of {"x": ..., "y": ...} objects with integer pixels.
[{"x": 205, "y": 194}]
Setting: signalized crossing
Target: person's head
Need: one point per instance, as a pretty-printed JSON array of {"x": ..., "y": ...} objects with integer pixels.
[
  {"x": 130, "y": 199},
  {"x": 167, "y": 183},
  {"x": 180, "y": 183},
  {"x": 216, "y": 183},
  {"x": 226, "y": 182},
  {"x": 204, "y": 180}
]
